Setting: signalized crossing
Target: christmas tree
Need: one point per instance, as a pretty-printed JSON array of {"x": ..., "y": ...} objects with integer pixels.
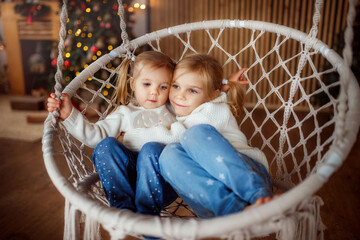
[{"x": 93, "y": 29}]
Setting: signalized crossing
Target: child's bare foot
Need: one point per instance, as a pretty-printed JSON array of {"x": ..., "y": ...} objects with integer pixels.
[{"x": 261, "y": 201}]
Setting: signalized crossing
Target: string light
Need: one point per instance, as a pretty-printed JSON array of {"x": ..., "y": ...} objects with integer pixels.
[
  {"x": 106, "y": 93},
  {"x": 98, "y": 53},
  {"x": 108, "y": 86},
  {"x": 94, "y": 57},
  {"x": 89, "y": 79},
  {"x": 143, "y": 6},
  {"x": 130, "y": 9},
  {"x": 89, "y": 35},
  {"x": 77, "y": 73},
  {"x": 136, "y": 5},
  {"x": 77, "y": 33},
  {"x": 88, "y": 10},
  {"x": 78, "y": 44},
  {"x": 67, "y": 55},
  {"x": 67, "y": 78},
  {"x": 85, "y": 66},
  {"x": 85, "y": 48},
  {"x": 110, "y": 47},
  {"x": 70, "y": 31}
]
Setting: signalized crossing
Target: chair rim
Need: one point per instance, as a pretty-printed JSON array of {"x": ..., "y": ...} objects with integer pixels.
[{"x": 152, "y": 225}]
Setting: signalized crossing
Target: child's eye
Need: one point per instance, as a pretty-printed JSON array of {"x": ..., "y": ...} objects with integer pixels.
[
  {"x": 146, "y": 84},
  {"x": 175, "y": 86},
  {"x": 163, "y": 87},
  {"x": 192, "y": 91}
]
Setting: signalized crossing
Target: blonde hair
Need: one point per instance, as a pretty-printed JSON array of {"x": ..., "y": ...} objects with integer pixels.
[
  {"x": 211, "y": 73},
  {"x": 123, "y": 94}
]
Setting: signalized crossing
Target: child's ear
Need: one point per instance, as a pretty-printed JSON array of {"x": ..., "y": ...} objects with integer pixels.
[
  {"x": 215, "y": 94},
  {"x": 132, "y": 84}
]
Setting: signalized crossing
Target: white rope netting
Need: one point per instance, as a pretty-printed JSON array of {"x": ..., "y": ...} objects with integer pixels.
[{"x": 302, "y": 112}]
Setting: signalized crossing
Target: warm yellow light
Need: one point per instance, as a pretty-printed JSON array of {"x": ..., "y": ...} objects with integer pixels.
[
  {"x": 67, "y": 55},
  {"x": 109, "y": 65},
  {"x": 78, "y": 44},
  {"x": 99, "y": 18},
  {"x": 131, "y": 9},
  {"x": 89, "y": 35},
  {"x": 85, "y": 28},
  {"x": 85, "y": 66},
  {"x": 94, "y": 57},
  {"x": 98, "y": 53},
  {"x": 69, "y": 31},
  {"x": 88, "y": 10},
  {"x": 83, "y": 35},
  {"x": 77, "y": 33},
  {"x": 71, "y": 68},
  {"x": 106, "y": 93},
  {"x": 77, "y": 73},
  {"x": 68, "y": 20},
  {"x": 136, "y": 5},
  {"x": 89, "y": 79},
  {"x": 85, "y": 48},
  {"x": 110, "y": 47},
  {"x": 108, "y": 86},
  {"x": 143, "y": 6},
  {"x": 84, "y": 84},
  {"x": 67, "y": 78}
]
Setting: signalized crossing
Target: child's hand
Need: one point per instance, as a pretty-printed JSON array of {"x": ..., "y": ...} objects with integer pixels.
[
  {"x": 64, "y": 106},
  {"x": 238, "y": 77}
]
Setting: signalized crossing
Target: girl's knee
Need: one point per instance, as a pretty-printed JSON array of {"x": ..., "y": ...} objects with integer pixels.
[
  {"x": 149, "y": 154},
  {"x": 197, "y": 132},
  {"x": 105, "y": 146}
]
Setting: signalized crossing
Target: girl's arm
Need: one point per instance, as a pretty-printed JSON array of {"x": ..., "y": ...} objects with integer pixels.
[{"x": 78, "y": 126}]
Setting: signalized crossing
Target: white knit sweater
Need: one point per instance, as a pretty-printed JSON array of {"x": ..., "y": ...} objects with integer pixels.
[
  {"x": 123, "y": 119},
  {"x": 216, "y": 113}
]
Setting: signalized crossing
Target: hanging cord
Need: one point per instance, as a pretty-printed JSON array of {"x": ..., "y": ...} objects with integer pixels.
[
  {"x": 294, "y": 86},
  {"x": 344, "y": 77},
  {"x": 124, "y": 35}
]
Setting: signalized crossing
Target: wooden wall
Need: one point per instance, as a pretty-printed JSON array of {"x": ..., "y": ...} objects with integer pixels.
[{"x": 296, "y": 14}]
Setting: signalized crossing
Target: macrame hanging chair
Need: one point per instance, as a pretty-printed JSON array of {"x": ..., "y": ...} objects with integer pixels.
[{"x": 298, "y": 168}]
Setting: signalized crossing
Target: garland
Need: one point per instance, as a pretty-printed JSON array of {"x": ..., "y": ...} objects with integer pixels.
[{"x": 31, "y": 10}]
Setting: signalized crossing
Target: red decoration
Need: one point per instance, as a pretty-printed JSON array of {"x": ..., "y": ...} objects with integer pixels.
[
  {"x": 53, "y": 62},
  {"x": 29, "y": 19},
  {"x": 108, "y": 25},
  {"x": 115, "y": 7},
  {"x": 83, "y": 6},
  {"x": 94, "y": 49},
  {"x": 67, "y": 63},
  {"x": 102, "y": 24}
]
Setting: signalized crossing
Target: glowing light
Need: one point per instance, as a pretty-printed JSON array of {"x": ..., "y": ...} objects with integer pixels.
[
  {"x": 98, "y": 53},
  {"x": 83, "y": 35},
  {"x": 89, "y": 35},
  {"x": 106, "y": 93},
  {"x": 69, "y": 31},
  {"x": 85, "y": 28},
  {"x": 88, "y": 10},
  {"x": 89, "y": 79},
  {"x": 136, "y": 5},
  {"x": 94, "y": 57},
  {"x": 68, "y": 20},
  {"x": 77, "y": 33},
  {"x": 143, "y": 6},
  {"x": 84, "y": 84},
  {"x": 78, "y": 44},
  {"x": 67, "y": 78},
  {"x": 85, "y": 48},
  {"x": 108, "y": 86},
  {"x": 131, "y": 9},
  {"x": 110, "y": 47},
  {"x": 109, "y": 65},
  {"x": 85, "y": 66},
  {"x": 77, "y": 73},
  {"x": 67, "y": 55},
  {"x": 99, "y": 18},
  {"x": 72, "y": 68}
]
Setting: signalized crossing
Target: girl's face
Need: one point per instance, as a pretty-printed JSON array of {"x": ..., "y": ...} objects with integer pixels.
[
  {"x": 151, "y": 87},
  {"x": 187, "y": 92}
]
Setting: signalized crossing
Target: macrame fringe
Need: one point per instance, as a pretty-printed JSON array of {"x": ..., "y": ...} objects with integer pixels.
[
  {"x": 72, "y": 222},
  {"x": 304, "y": 223},
  {"x": 92, "y": 229}
]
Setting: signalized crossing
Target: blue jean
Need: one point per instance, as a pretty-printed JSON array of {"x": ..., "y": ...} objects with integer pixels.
[
  {"x": 132, "y": 180},
  {"x": 210, "y": 175}
]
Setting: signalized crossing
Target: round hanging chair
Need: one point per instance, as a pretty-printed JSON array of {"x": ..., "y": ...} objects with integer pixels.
[{"x": 303, "y": 147}]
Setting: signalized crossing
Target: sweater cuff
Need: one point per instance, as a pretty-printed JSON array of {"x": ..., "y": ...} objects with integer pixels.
[{"x": 71, "y": 119}]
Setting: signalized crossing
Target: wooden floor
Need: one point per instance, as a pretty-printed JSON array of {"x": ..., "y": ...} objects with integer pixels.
[{"x": 31, "y": 207}]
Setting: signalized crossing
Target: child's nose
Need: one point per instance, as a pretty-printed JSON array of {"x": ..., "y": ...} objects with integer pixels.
[{"x": 154, "y": 91}]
